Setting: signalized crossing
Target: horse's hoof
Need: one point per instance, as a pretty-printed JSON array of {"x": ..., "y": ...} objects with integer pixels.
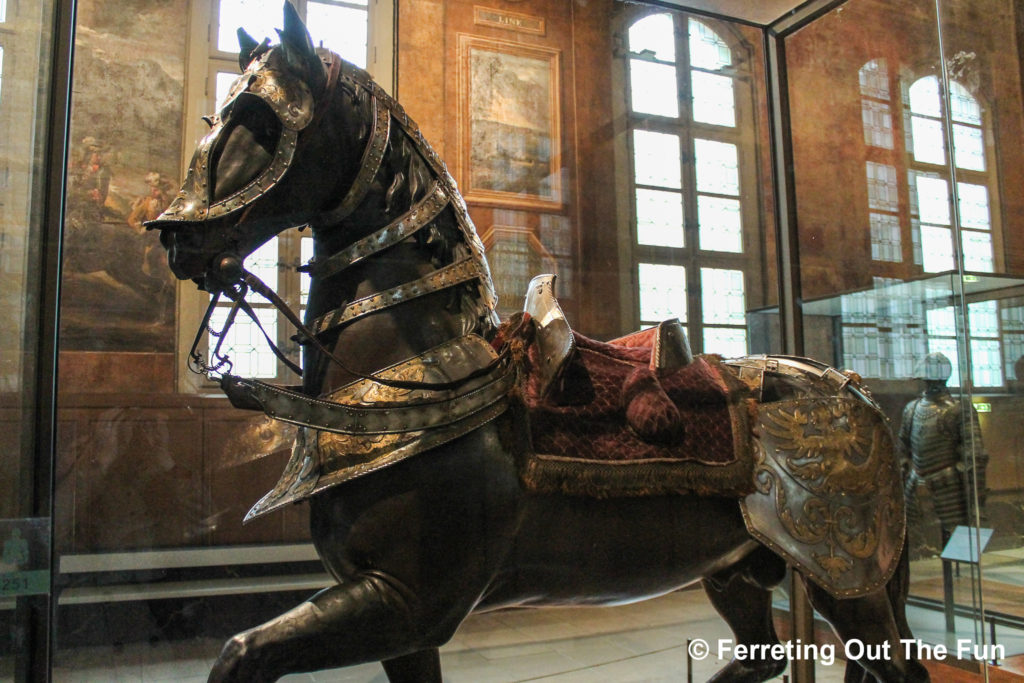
[
  {"x": 748, "y": 672},
  {"x": 228, "y": 667}
]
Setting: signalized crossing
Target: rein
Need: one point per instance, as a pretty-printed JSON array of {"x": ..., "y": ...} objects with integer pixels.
[{"x": 250, "y": 282}]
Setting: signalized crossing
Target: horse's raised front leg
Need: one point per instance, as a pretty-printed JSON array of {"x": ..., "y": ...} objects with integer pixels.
[
  {"x": 413, "y": 547},
  {"x": 368, "y": 620}
]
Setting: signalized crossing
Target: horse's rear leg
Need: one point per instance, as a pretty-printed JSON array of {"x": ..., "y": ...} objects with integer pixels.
[
  {"x": 370, "y": 619},
  {"x": 742, "y": 595},
  {"x": 871, "y": 620},
  {"x": 419, "y": 667}
]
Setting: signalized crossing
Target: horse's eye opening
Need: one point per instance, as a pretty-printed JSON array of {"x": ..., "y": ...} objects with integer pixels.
[{"x": 244, "y": 148}]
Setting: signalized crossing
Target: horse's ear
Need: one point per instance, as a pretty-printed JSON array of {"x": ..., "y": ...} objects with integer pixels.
[
  {"x": 299, "y": 50},
  {"x": 247, "y": 45}
]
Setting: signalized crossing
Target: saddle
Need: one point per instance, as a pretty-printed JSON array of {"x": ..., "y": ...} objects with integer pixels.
[{"x": 639, "y": 415}]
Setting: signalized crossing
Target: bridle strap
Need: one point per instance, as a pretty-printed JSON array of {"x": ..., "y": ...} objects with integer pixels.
[
  {"x": 261, "y": 288},
  {"x": 456, "y": 273}
]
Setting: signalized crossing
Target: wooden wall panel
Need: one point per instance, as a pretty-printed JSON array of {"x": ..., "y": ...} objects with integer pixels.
[
  {"x": 169, "y": 471},
  {"x": 236, "y": 478},
  {"x": 137, "y": 478}
]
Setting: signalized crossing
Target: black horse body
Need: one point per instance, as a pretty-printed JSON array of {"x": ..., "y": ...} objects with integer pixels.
[{"x": 417, "y": 546}]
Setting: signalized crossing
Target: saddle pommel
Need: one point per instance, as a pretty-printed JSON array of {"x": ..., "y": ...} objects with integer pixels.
[
  {"x": 671, "y": 347},
  {"x": 554, "y": 338}
]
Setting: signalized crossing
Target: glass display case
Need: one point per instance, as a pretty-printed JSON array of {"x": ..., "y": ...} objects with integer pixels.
[{"x": 831, "y": 179}]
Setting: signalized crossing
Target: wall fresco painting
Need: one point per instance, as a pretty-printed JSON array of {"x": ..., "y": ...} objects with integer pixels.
[
  {"x": 510, "y": 139},
  {"x": 125, "y": 159}
]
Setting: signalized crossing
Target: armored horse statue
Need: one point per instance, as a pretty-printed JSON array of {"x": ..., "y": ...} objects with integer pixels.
[{"x": 455, "y": 464}]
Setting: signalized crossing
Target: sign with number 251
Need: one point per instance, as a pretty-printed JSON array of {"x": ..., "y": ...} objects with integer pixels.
[{"x": 25, "y": 556}]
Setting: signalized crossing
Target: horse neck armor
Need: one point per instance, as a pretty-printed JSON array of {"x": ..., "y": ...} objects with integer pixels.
[
  {"x": 418, "y": 404},
  {"x": 367, "y": 425}
]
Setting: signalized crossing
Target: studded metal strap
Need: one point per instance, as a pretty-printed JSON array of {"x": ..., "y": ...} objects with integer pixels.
[
  {"x": 420, "y": 215},
  {"x": 368, "y": 167},
  {"x": 443, "y": 278},
  {"x": 383, "y": 102},
  {"x": 290, "y": 406}
]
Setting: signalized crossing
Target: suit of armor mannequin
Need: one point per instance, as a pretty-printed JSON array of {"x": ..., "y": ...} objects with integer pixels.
[{"x": 938, "y": 433}]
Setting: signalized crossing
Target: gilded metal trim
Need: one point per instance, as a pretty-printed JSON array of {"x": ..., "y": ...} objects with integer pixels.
[
  {"x": 443, "y": 278},
  {"x": 296, "y": 408},
  {"x": 419, "y": 216},
  {"x": 829, "y": 497}
]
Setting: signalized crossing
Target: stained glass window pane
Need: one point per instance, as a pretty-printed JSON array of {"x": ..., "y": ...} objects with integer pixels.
[
  {"x": 653, "y": 88},
  {"x": 707, "y": 49},
  {"x": 263, "y": 263},
  {"x": 244, "y": 344},
  {"x": 924, "y": 97},
  {"x": 929, "y": 141},
  {"x": 874, "y": 79},
  {"x": 885, "y": 238},
  {"x": 964, "y": 107},
  {"x": 656, "y": 158},
  {"x": 941, "y": 322},
  {"x": 659, "y": 218},
  {"x": 655, "y": 33},
  {"x": 968, "y": 147},
  {"x": 713, "y": 99},
  {"x": 987, "y": 362},
  {"x": 977, "y": 248},
  {"x": 224, "y": 81},
  {"x": 883, "y": 193},
  {"x": 662, "y": 292},
  {"x": 974, "y": 211},
  {"x": 341, "y": 29},
  {"x": 932, "y": 200},
  {"x": 722, "y": 296},
  {"x": 1013, "y": 319},
  {"x": 259, "y": 18},
  {"x": 305, "y": 253},
  {"x": 720, "y": 225},
  {"x": 729, "y": 342},
  {"x": 1013, "y": 345},
  {"x": 983, "y": 319},
  {"x": 717, "y": 167},
  {"x": 937, "y": 249},
  {"x": 877, "y": 119},
  {"x": 860, "y": 350}
]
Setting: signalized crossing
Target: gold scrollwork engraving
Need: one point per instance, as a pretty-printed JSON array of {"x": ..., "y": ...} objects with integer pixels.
[{"x": 828, "y": 467}]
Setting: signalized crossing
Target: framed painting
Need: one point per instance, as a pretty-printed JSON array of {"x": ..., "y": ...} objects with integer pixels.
[{"x": 509, "y": 124}]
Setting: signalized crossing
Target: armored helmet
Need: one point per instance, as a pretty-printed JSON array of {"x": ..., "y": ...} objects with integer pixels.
[{"x": 934, "y": 366}]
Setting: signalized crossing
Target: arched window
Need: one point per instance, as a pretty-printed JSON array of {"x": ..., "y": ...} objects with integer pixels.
[
  {"x": 911, "y": 200},
  {"x": 687, "y": 109},
  {"x": 930, "y": 178},
  {"x": 883, "y": 194}
]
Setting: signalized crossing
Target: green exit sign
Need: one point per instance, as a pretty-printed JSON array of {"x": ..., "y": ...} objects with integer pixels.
[{"x": 983, "y": 407}]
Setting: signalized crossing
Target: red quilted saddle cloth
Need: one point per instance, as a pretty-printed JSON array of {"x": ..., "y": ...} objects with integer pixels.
[{"x": 613, "y": 427}]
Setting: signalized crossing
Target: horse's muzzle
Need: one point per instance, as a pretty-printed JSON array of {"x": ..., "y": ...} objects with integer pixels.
[{"x": 188, "y": 253}]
